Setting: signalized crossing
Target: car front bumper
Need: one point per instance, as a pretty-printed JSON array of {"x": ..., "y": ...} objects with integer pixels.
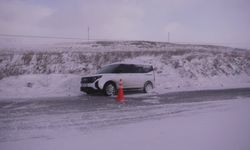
[{"x": 89, "y": 87}]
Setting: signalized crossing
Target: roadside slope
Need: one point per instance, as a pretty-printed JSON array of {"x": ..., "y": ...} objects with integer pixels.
[{"x": 178, "y": 66}]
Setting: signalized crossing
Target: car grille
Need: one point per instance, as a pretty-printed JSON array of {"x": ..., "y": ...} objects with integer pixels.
[{"x": 89, "y": 79}]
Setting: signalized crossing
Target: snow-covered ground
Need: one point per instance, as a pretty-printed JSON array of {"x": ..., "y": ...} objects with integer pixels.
[
  {"x": 172, "y": 79},
  {"x": 56, "y": 70},
  {"x": 213, "y": 122},
  {"x": 219, "y": 125},
  {"x": 168, "y": 79},
  {"x": 61, "y": 85},
  {"x": 28, "y": 86}
]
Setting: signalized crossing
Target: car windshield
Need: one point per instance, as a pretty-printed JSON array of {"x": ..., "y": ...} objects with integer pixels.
[{"x": 108, "y": 69}]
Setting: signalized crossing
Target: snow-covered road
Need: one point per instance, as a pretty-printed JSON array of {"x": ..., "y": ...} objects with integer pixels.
[{"x": 26, "y": 123}]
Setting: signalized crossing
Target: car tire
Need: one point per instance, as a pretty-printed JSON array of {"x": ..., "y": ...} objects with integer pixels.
[
  {"x": 110, "y": 89},
  {"x": 148, "y": 87},
  {"x": 89, "y": 93}
]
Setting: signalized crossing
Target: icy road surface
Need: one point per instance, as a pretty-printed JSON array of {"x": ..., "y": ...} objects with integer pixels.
[{"x": 49, "y": 118}]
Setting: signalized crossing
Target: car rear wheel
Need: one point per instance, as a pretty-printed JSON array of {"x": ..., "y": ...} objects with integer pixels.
[
  {"x": 148, "y": 87},
  {"x": 109, "y": 89}
]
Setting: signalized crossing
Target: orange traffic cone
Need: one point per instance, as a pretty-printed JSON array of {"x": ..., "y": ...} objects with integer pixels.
[{"x": 120, "y": 95}]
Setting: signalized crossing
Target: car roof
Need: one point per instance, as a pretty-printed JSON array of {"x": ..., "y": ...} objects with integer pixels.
[{"x": 127, "y": 63}]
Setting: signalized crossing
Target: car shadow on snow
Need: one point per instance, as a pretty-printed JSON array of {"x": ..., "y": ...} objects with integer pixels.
[{"x": 125, "y": 93}]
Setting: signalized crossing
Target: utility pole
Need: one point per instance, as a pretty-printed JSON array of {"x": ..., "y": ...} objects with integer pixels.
[
  {"x": 168, "y": 41},
  {"x": 88, "y": 33},
  {"x": 168, "y": 37}
]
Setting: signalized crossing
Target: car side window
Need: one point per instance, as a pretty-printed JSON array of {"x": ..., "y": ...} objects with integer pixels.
[
  {"x": 118, "y": 69},
  {"x": 138, "y": 69},
  {"x": 122, "y": 68},
  {"x": 133, "y": 69},
  {"x": 147, "y": 69},
  {"x": 130, "y": 68}
]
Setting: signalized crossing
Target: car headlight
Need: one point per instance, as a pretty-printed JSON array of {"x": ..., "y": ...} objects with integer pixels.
[{"x": 93, "y": 79}]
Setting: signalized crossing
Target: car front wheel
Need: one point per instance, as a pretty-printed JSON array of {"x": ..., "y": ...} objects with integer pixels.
[
  {"x": 148, "y": 87},
  {"x": 109, "y": 89}
]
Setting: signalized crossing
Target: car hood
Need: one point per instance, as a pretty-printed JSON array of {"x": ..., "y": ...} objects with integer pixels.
[{"x": 92, "y": 75}]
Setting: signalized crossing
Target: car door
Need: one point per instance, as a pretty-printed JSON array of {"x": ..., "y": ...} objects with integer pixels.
[
  {"x": 145, "y": 73},
  {"x": 126, "y": 73},
  {"x": 140, "y": 76},
  {"x": 120, "y": 74},
  {"x": 133, "y": 76}
]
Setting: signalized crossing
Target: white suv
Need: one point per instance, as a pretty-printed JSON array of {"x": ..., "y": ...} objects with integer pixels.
[{"x": 133, "y": 76}]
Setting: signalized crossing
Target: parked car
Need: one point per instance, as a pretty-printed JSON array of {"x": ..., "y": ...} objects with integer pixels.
[{"x": 133, "y": 76}]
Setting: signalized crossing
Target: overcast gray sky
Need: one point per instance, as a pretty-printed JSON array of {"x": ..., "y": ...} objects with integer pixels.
[{"x": 199, "y": 21}]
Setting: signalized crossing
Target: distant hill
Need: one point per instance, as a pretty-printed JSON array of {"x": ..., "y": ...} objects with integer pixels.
[{"x": 185, "y": 60}]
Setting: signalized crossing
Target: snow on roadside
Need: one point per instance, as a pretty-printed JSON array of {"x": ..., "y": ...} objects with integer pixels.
[
  {"x": 172, "y": 83},
  {"x": 168, "y": 79},
  {"x": 59, "y": 85},
  {"x": 28, "y": 86},
  {"x": 224, "y": 128}
]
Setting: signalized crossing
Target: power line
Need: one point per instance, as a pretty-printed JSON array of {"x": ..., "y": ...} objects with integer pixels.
[
  {"x": 106, "y": 39},
  {"x": 39, "y": 36}
]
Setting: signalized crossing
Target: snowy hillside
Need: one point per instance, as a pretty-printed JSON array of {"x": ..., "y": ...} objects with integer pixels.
[
  {"x": 177, "y": 65},
  {"x": 188, "y": 60}
]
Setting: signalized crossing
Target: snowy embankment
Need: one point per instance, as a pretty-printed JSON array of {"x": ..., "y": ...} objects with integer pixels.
[
  {"x": 57, "y": 85},
  {"x": 56, "y": 71},
  {"x": 27, "y": 86},
  {"x": 221, "y": 125}
]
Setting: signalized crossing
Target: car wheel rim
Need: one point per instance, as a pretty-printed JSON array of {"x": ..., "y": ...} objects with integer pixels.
[
  {"x": 148, "y": 88},
  {"x": 110, "y": 90}
]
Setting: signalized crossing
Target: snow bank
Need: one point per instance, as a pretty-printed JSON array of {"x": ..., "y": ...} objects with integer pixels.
[
  {"x": 28, "y": 86},
  {"x": 85, "y": 58},
  {"x": 59, "y": 85},
  {"x": 178, "y": 66},
  {"x": 189, "y": 77},
  {"x": 224, "y": 128}
]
